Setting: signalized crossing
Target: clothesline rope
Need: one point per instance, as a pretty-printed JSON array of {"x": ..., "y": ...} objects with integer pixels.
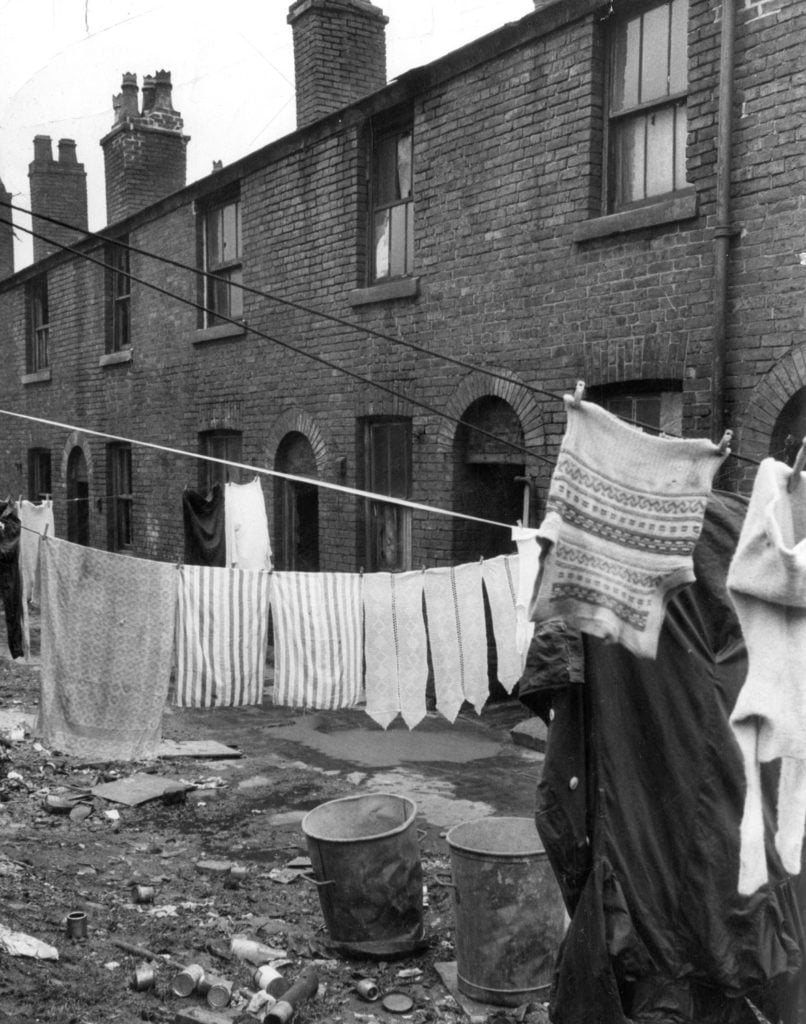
[{"x": 326, "y": 484}]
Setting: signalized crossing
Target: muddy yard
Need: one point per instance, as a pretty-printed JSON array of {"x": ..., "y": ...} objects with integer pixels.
[{"x": 172, "y": 880}]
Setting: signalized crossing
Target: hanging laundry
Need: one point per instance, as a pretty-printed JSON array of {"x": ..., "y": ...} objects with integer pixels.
[
  {"x": 395, "y": 647},
  {"x": 530, "y": 552},
  {"x": 107, "y": 651},
  {"x": 35, "y": 519},
  {"x": 767, "y": 584},
  {"x": 203, "y": 518},
  {"x": 246, "y": 526},
  {"x": 222, "y": 626},
  {"x": 624, "y": 512},
  {"x": 501, "y": 581},
  {"x": 457, "y": 637},
  {"x": 318, "y": 650},
  {"x": 11, "y": 578}
]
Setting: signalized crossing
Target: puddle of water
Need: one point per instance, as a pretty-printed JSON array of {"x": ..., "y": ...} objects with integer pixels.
[
  {"x": 378, "y": 749},
  {"x": 436, "y": 799}
]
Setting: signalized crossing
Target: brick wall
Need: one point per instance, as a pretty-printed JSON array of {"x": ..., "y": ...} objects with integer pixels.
[{"x": 59, "y": 190}]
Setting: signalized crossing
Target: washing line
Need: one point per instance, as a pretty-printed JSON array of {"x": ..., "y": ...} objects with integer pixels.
[
  {"x": 325, "y": 484},
  {"x": 286, "y": 345}
]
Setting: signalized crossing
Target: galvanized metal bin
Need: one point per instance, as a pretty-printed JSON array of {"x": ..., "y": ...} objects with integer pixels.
[{"x": 508, "y": 910}]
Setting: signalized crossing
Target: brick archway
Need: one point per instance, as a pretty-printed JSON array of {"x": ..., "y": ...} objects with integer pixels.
[
  {"x": 295, "y": 420},
  {"x": 767, "y": 401}
]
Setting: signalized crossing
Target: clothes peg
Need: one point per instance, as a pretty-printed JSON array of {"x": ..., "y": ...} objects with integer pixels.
[
  {"x": 724, "y": 444},
  {"x": 797, "y": 468},
  {"x": 579, "y": 390},
  {"x": 45, "y": 531}
]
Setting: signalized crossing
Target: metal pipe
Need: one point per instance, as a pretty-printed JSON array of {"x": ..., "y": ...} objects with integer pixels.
[{"x": 722, "y": 226}]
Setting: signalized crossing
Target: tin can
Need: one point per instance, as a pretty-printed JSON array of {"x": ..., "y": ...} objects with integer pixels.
[
  {"x": 367, "y": 989},
  {"x": 219, "y": 994},
  {"x": 187, "y": 980},
  {"x": 144, "y": 977},
  {"x": 76, "y": 924},
  {"x": 268, "y": 979},
  {"x": 143, "y": 893}
]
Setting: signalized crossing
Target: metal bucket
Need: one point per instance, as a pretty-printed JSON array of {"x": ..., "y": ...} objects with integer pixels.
[
  {"x": 509, "y": 914},
  {"x": 366, "y": 862}
]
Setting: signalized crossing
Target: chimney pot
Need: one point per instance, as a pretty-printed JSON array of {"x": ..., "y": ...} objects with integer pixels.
[
  {"x": 162, "y": 92},
  {"x": 67, "y": 151},
  {"x": 125, "y": 104},
  {"x": 42, "y": 148},
  {"x": 149, "y": 90}
]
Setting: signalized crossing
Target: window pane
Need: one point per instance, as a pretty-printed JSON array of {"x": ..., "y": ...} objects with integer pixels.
[
  {"x": 630, "y": 156},
  {"x": 214, "y": 247},
  {"x": 404, "y": 166},
  {"x": 235, "y": 293},
  {"x": 386, "y": 188},
  {"x": 229, "y": 233},
  {"x": 382, "y": 243},
  {"x": 655, "y": 56},
  {"x": 409, "y": 237},
  {"x": 624, "y": 65},
  {"x": 397, "y": 253},
  {"x": 660, "y": 152},
  {"x": 678, "y": 64},
  {"x": 681, "y": 138}
]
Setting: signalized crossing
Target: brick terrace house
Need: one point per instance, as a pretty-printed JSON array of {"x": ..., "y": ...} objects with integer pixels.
[{"x": 606, "y": 192}]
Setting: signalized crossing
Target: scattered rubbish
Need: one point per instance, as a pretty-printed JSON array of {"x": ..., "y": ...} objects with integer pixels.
[
  {"x": 80, "y": 812},
  {"x": 238, "y": 872},
  {"x": 187, "y": 980},
  {"x": 201, "y": 1015},
  {"x": 143, "y": 893},
  {"x": 111, "y": 965},
  {"x": 139, "y": 789},
  {"x": 214, "y": 867},
  {"x": 410, "y": 972},
  {"x": 112, "y": 815},
  {"x": 140, "y": 951},
  {"x": 63, "y": 803},
  {"x": 254, "y": 952},
  {"x": 259, "y": 1005},
  {"x": 76, "y": 925},
  {"x": 306, "y": 986},
  {"x": 20, "y": 944},
  {"x": 397, "y": 1002},
  {"x": 300, "y": 862},
  {"x": 219, "y": 993},
  {"x": 285, "y": 875},
  {"x": 269, "y": 979},
  {"x": 367, "y": 989},
  {"x": 144, "y": 977}
]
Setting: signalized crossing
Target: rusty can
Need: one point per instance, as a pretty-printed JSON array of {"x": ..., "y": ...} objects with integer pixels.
[
  {"x": 143, "y": 893},
  {"x": 269, "y": 979},
  {"x": 76, "y": 924},
  {"x": 144, "y": 977},
  {"x": 187, "y": 980},
  {"x": 367, "y": 989},
  {"x": 219, "y": 994}
]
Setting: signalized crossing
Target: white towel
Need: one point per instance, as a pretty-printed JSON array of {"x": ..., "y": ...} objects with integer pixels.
[
  {"x": 395, "y": 647},
  {"x": 246, "y": 527},
  {"x": 34, "y": 519},
  {"x": 500, "y": 577},
  {"x": 529, "y": 554},
  {"x": 221, "y": 632},
  {"x": 317, "y": 639},
  {"x": 457, "y": 637}
]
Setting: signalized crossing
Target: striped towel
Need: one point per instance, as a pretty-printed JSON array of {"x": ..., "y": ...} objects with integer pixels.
[
  {"x": 500, "y": 577},
  {"x": 395, "y": 647},
  {"x": 317, "y": 639},
  {"x": 221, "y": 633},
  {"x": 457, "y": 636}
]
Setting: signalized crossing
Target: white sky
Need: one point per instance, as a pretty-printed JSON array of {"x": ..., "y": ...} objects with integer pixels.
[{"x": 231, "y": 64}]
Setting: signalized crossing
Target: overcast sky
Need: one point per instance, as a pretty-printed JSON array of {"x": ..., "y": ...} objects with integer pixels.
[{"x": 231, "y": 63}]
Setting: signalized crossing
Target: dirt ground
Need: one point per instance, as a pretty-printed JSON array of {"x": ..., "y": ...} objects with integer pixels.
[{"x": 65, "y": 851}]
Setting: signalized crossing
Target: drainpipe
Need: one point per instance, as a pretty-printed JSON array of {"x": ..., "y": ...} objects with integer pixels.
[{"x": 722, "y": 227}]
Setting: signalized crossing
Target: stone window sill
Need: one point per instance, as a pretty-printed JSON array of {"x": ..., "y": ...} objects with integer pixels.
[
  {"x": 219, "y": 332},
  {"x": 681, "y": 206},
  {"x": 113, "y": 358},
  {"x": 403, "y": 288},
  {"x": 37, "y": 377}
]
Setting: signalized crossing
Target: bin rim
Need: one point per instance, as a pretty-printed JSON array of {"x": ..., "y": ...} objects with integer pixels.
[
  {"x": 410, "y": 816},
  {"x": 529, "y": 850}
]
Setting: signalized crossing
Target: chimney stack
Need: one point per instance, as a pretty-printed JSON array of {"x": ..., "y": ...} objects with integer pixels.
[
  {"x": 6, "y": 236},
  {"x": 59, "y": 190},
  {"x": 339, "y": 54},
  {"x": 145, "y": 153}
]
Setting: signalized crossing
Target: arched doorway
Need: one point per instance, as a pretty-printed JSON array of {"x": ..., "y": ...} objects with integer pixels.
[
  {"x": 485, "y": 482},
  {"x": 78, "y": 498},
  {"x": 790, "y": 429},
  {"x": 296, "y": 507}
]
